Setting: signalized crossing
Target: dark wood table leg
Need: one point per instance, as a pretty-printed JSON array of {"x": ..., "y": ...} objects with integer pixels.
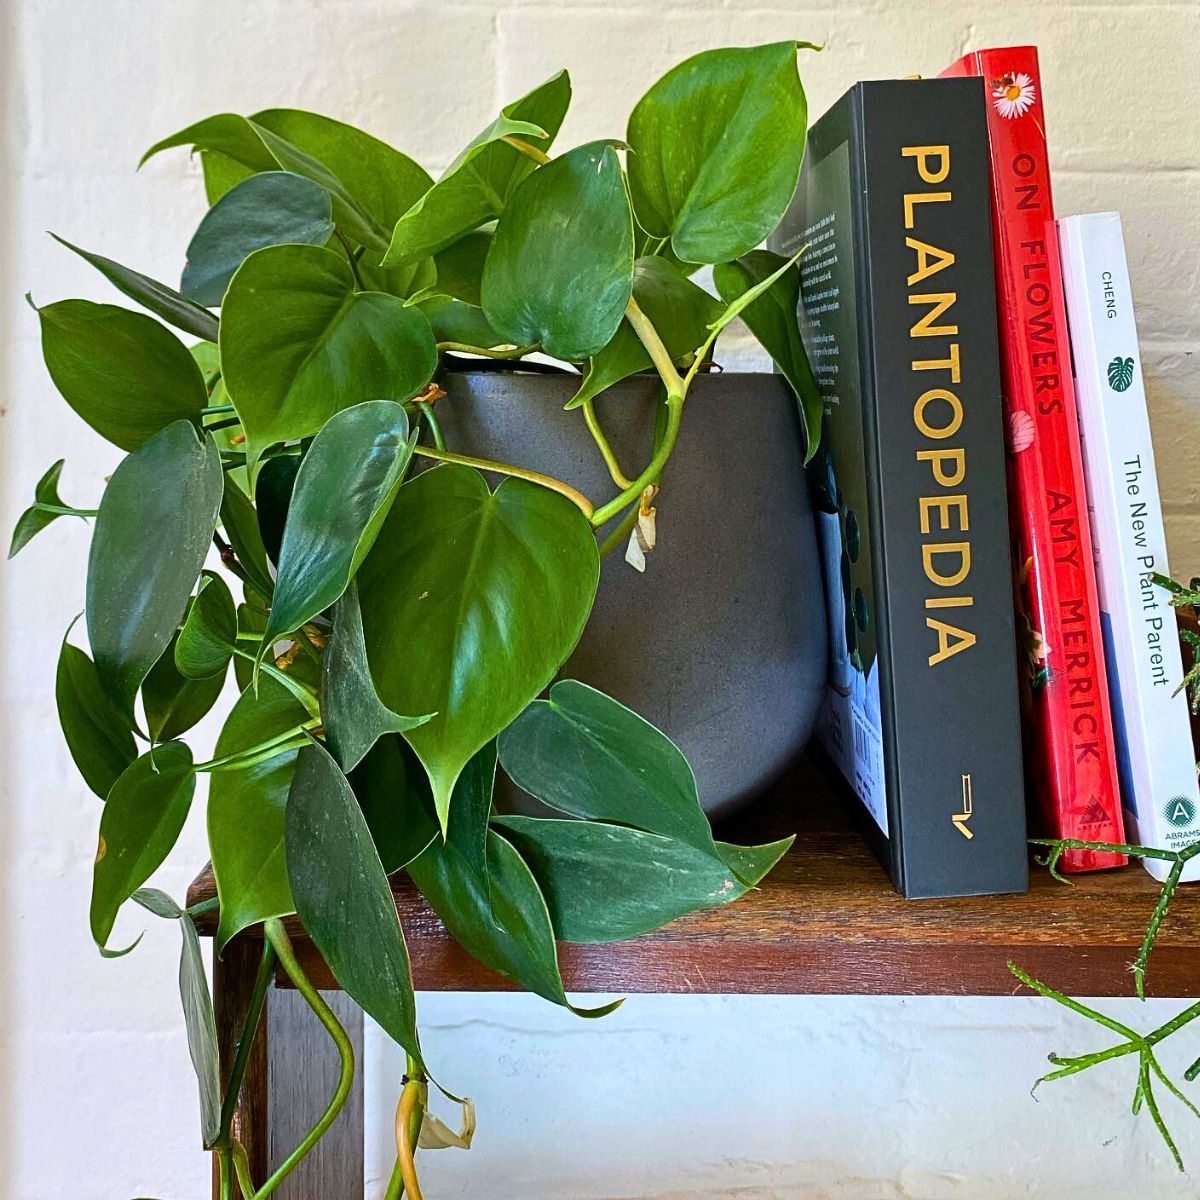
[{"x": 234, "y": 976}]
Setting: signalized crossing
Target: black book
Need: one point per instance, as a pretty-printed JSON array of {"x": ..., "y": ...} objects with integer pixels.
[{"x": 898, "y": 316}]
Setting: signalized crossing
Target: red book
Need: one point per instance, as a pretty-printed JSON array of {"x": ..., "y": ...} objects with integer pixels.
[{"x": 1069, "y": 740}]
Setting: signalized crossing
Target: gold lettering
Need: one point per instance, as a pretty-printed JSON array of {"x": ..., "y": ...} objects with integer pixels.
[
  {"x": 951, "y": 640},
  {"x": 943, "y": 504},
  {"x": 962, "y": 549},
  {"x": 941, "y": 301},
  {"x": 912, "y": 199},
  {"x": 922, "y": 154},
  {"x": 957, "y": 456},
  {"x": 930, "y": 260},
  {"x": 956, "y": 413},
  {"x": 942, "y": 364}
]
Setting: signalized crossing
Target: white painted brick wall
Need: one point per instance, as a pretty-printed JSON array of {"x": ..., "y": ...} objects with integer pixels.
[{"x": 753, "y": 1098}]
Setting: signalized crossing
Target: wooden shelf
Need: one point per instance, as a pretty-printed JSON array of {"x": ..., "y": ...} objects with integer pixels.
[{"x": 827, "y": 921}]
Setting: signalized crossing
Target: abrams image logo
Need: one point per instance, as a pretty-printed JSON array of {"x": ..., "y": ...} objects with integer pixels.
[
  {"x": 1120, "y": 374},
  {"x": 1179, "y": 811}
]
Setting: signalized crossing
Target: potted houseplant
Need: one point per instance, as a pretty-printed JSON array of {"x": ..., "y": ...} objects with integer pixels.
[{"x": 411, "y": 514}]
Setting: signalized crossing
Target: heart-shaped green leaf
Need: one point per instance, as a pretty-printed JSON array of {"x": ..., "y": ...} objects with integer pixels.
[
  {"x": 393, "y": 792},
  {"x": 46, "y": 508},
  {"x": 355, "y": 718},
  {"x": 97, "y": 735},
  {"x": 471, "y": 601},
  {"x": 201, "y": 1024},
  {"x": 584, "y": 753},
  {"x": 560, "y": 270},
  {"x": 460, "y": 269},
  {"x": 240, "y": 522},
  {"x": 605, "y": 883},
  {"x": 716, "y": 148},
  {"x": 152, "y": 533},
  {"x": 772, "y": 319},
  {"x": 258, "y": 148},
  {"x": 270, "y": 209},
  {"x": 344, "y": 488},
  {"x": 121, "y": 371},
  {"x": 343, "y": 898},
  {"x": 246, "y": 810},
  {"x": 457, "y": 325},
  {"x": 299, "y": 343},
  {"x": 680, "y": 312},
  {"x": 173, "y": 702},
  {"x": 478, "y": 185},
  {"x": 499, "y": 918},
  {"x": 141, "y": 822},
  {"x": 176, "y": 309},
  {"x": 205, "y": 643}
]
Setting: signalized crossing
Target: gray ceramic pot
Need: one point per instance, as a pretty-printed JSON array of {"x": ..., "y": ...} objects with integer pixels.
[{"x": 721, "y": 643}]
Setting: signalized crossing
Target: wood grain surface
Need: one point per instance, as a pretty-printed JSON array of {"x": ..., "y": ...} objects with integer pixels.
[{"x": 826, "y": 920}]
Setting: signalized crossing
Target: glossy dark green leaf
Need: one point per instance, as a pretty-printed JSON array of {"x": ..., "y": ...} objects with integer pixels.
[
  {"x": 471, "y": 601},
  {"x": 299, "y": 343},
  {"x": 343, "y": 898},
  {"x": 459, "y": 268},
  {"x": 478, "y": 186},
  {"x": 176, "y": 309},
  {"x": 97, "y": 735},
  {"x": 269, "y": 209},
  {"x": 586, "y": 754},
  {"x": 560, "y": 270},
  {"x": 205, "y": 643},
  {"x": 680, "y": 312},
  {"x": 772, "y": 319},
  {"x": 258, "y": 148},
  {"x": 604, "y": 883},
  {"x": 173, "y": 702},
  {"x": 344, "y": 488},
  {"x": 499, "y": 918},
  {"x": 240, "y": 522},
  {"x": 36, "y": 517},
  {"x": 246, "y": 811},
  {"x": 121, "y": 371},
  {"x": 200, "y": 1022},
  {"x": 272, "y": 498},
  {"x": 716, "y": 146},
  {"x": 455, "y": 323},
  {"x": 141, "y": 822},
  {"x": 355, "y": 718},
  {"x": 393, "y": 792},
  {"x": 152, "y": 533}
]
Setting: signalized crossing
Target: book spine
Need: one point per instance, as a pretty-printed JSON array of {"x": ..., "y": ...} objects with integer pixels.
[
  {"x": 1070, "y": 756},
  {"x": 1155, "y": 757},
  {"x": 931, "y": 399}
]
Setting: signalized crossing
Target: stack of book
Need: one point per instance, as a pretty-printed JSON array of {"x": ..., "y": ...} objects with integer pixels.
[{"x": 986, "y": 491}]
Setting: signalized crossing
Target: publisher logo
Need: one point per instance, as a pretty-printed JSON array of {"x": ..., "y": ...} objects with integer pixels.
[
  {"x": 1179, "y": 811},
  {"x": 1120, "y": 374}
]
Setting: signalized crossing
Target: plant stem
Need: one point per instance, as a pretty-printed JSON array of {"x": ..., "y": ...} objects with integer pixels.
[
  {"x": 674, "y": 417},
  {"x": 251, "y": 755},
  {"x": 224, "y": 1163},
  {"x": 409, "y": 1113},
  {"x": 487, "y": 352},
  {"x": 241, "y": 1059},
  {"x": 538, "y": 156},
  {"x": 660, "y": 356},
  {"x": 395, "y": 1187},
  {"x": 349, "y": 249},
  {"x": 64, "y": 510},
  {"x": 610, "y": 459},
  {"x": 555, "y": 485},
  {"x": 435, "y": 426},
  {"x": 241, "y": 1167},
  {"x": 213, "y": 410},
  {"x": 277, "y": 936}
]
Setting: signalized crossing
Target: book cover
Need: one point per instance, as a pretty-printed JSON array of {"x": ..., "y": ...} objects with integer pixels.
[
  {"x": 897, "y": 312},
  {"x": 1070, "y": 758},
  {"x": 1156, "y": 762}
]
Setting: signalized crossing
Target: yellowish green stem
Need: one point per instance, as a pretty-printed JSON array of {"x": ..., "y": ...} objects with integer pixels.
[
  {"x": 538, "y": 156},
  {"x": 598, "y": 436},
  {"x": 483, "y": 464}
]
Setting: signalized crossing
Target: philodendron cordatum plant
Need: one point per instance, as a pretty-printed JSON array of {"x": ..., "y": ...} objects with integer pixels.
[{"x": 397, "y": 628}]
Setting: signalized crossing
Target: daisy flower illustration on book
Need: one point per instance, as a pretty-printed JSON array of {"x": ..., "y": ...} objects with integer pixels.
[{"x": 1013, "y": 94}]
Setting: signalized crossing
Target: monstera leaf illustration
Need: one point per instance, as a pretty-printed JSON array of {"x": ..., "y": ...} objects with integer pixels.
[{"x": 1120, "y": 373}]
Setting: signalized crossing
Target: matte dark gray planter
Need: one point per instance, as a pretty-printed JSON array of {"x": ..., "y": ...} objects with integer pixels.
[{"x": 721, "y": 643}]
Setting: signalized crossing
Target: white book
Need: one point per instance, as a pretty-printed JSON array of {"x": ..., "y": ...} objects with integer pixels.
[{"x": 1155, "y": 755}]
